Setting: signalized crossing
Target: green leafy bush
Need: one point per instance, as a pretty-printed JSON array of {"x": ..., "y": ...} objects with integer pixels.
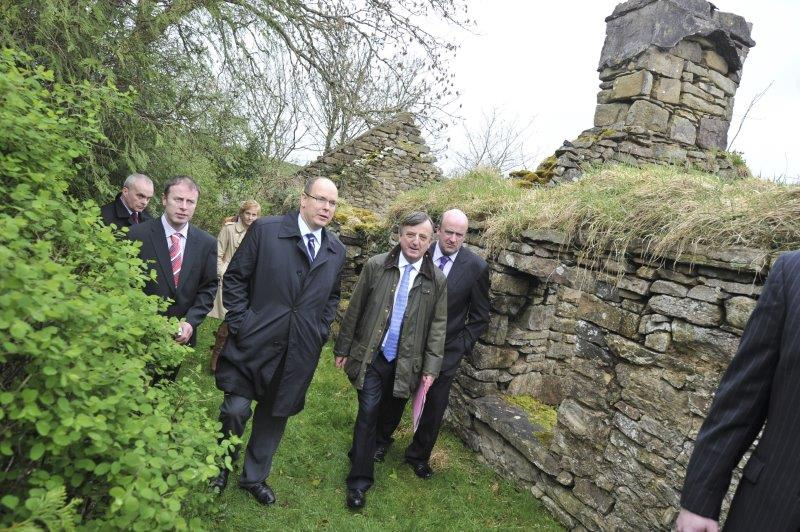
[{"x": 84, "y": 438}]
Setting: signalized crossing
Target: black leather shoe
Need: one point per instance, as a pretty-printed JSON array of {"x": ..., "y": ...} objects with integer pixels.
[
  {"x": 421, "y": 469},
  {"x": 220, "y": 482},
  {"x": 380, "y": 453},
  {"x": 356, "y": 499},
  {"x": 262, "y": 493}
]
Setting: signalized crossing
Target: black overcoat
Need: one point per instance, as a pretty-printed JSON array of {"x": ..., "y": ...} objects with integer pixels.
[{"x": 280, "y": 308}]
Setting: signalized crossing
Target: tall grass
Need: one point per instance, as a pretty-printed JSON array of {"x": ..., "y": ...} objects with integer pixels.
[{"x": 663, "y": 210}]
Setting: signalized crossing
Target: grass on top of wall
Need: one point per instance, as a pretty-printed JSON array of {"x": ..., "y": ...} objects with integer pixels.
[{"x": 657, "y": 208}]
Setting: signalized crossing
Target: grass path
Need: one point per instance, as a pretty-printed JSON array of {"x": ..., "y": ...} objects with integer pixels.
[{"x": 311, "y": 464}]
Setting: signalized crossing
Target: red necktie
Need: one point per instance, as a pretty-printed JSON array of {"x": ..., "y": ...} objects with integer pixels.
[{"x": 175, "y": 256}]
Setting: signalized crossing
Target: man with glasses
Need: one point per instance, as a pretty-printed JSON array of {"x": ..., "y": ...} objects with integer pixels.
[
  {"x": 467, "y": 318},
  {"x": 281, "y": 293},
  {"x": 392, "y": 332}
]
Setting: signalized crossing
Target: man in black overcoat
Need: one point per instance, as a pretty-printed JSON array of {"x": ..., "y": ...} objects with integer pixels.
[
  {"x": 130, "y": 206},
  {"x": 467, "y": 319},
  {"x": 281, "y": 293},
  {"x": 184, "y": 258},
  {"x": 759, "y": 390}
]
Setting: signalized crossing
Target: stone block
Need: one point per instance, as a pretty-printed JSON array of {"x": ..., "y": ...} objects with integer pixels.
[
  {"x": 695, "y": 69},
  {"x": 689, "y": 50},
  {"x": 715, "y": 61},
  {"x": 658, "y": 341},
  {"x": 734, "y": 288},
  {"x": 538, "y": 317},
  {"x": 592, "y": 495},
  {"x": 631, "y": 351},
  {"x": 647, "y": 115},
  {"x": 638, "y": 83},
  {"x": 661, "y": 63},
  {"x": 497, "y": 330},
  {"x": 667, "y": 90},
  {"x": 697, "y": 312},
  {"x": 545, "y": 388},
  {"x": 727, "y": 85},
  {"x": 609, "y": 114},
  {"x": 669, "y": 288},
  {"x": 705, "y": 293},
  {"x": 682, "y": 130},
  {"x": 696, "y": 341},
  {"x": 489, "y": 356},
  {"x": 713, "y": 133},
  {"x": 738, "y": 310},
  {"x": 698, "y": 104},
  {"x": 669, "y": 152},
  {"x": 515, "y": 285},
  {"x": 608, "y": 316}
]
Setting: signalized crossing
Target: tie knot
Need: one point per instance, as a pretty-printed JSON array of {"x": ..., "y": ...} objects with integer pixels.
[
  {"x": 175, "y": 237},
  {"x": 310, "y": 237}
]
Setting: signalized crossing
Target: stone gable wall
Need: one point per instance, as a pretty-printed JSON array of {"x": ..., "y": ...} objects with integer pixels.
[
  {"x": 375, "y": 167},
  {"x": 666, "y": 90}
]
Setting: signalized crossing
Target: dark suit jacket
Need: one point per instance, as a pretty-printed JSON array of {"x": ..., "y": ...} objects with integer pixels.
[
  {"x": 280, "y": 309},
  {"x": 762, "y": 384},
  {"x": 197, "y": 287},
  {"x": 116, "y": 213},
  {"x": 467, "y": 306}
]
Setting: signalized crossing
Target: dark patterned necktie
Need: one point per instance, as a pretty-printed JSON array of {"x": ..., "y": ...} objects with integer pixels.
[{"x": 311, "y": 240}]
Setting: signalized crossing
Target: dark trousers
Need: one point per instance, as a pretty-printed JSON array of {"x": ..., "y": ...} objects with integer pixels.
[
  {"x": 421, "y": 446},
  {"x": 264, "y": 439},
  {"x": 378, "y": 383}
]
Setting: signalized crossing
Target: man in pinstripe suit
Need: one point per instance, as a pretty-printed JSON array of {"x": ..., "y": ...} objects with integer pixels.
[{"x": 761, "y": 388}]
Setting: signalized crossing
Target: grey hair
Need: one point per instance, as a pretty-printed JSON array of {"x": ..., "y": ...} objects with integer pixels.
[
  {"x": 133, "y": 178},
  {"x": 415, "y": 218},
  {"x": 185, "y": 179},
  {"x": 310, "y": 183}
]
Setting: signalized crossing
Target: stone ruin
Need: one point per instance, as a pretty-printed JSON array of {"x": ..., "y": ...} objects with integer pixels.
[
  {"x": 378, "y": 165},
  {"x": 669, "y": 71}
]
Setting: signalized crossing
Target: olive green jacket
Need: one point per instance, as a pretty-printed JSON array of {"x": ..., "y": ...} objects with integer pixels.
[{"x": 421, "y": 344}]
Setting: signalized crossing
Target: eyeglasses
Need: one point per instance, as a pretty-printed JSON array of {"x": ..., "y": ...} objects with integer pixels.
[{"x": 322, "y": 201}]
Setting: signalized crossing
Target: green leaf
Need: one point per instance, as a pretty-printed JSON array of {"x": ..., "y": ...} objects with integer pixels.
[
  {"x": 10, "y": 501},
  {"x": 37, "y": 451}
]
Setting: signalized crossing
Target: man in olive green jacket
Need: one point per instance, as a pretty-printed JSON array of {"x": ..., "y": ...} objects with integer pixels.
[{"x": 393, "y": 330}]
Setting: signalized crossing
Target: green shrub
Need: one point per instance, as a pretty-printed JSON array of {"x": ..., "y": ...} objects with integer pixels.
[{"x": 84, "y": 437}]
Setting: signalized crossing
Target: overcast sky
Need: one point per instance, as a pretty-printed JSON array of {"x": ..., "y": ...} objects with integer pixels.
[{"x": 537, "y": 63}]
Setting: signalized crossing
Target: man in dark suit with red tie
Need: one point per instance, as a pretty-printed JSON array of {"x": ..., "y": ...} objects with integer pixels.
[
  {"x": 130, "y": 206},
  {"x": 758, "y": 391},
  {"x": 467, "y": 319},
  {"x": 184, "y": 258}
]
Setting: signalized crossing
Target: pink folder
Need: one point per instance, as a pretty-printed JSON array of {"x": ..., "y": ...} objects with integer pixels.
[{"x": 418, "y": 403}]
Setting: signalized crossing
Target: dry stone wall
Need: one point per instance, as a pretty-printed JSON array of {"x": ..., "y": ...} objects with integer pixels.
[
  {"x": 373, "y": 168},
  {"x": 669, "y": 71},
  {"x": 626, "y": 350}
]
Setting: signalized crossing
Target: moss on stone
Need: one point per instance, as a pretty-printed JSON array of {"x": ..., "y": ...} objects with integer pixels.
[
  {"x": 358, "y": 220},
  {"x": 539, "y": 414}
]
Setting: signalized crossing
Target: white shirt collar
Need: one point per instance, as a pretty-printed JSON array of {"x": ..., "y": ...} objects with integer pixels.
[
  {"x": 437, "y": 253},
  {"x": 401, "y": 263},
  {"x": 304, "y": 230},
  {"x": 169, "y": 230}
]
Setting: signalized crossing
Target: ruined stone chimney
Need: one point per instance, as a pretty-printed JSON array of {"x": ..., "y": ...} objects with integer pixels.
[{"x": 669, "y": 71}]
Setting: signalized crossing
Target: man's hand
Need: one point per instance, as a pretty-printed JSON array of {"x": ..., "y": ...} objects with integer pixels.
[
  {"x": 691, "y": 522},
  {"x": 339, "y": 362},
  {"x": 427, "y": 380},
  {"x": 185, "y": 334}
]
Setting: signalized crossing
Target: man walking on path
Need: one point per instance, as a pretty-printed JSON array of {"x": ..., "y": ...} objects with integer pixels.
[
  {"x": 281, "y": 295},
  {"x": 467, "y": 319},
  {"x": 184, "y": 257},
  {"x": 759, "y": 390},
  {"x": 130, "y": 206},
  {"x": 393, "y": 330}
]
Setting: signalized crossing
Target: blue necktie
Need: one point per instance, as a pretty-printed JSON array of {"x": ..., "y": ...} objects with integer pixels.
[
  {"x": 392, "y": 337},
  {"x": 443, "y": 261},
  {"x": 311, "y": 241}
]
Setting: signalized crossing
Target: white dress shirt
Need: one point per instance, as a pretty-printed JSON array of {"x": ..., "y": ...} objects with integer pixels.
[
  {"x": 437, "y": 254},
  {"x": 169, "y": 230}
]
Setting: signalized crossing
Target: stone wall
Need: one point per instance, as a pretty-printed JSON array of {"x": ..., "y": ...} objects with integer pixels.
[
  {"x": 375, "y": 167},
  {"x": 629, "y": 357},
  {"x": 669, "y": 71}
]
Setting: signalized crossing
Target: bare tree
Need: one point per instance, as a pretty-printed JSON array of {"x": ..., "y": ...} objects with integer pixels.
[{"x": 496, "y": 142}]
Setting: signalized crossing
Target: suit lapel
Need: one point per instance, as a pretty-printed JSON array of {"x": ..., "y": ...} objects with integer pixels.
[
  {"x": 159, "y": 242},
  {"x": 457, "y": 269}
]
